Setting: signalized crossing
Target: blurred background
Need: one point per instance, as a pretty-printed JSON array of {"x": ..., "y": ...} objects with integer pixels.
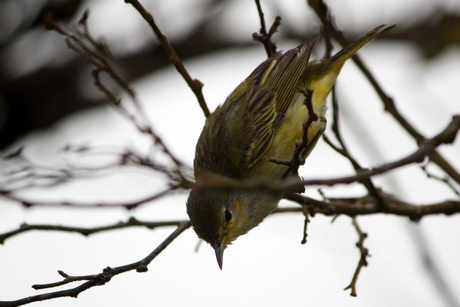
[
  {"x": 41, "y": 81},
  {"x": 48, "y": 100}
]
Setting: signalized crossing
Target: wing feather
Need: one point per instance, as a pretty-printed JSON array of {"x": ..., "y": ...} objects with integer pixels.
[{"x": 239, "y": 132}]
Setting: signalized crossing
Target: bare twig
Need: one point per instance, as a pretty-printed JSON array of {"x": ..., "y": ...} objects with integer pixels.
[
  {"x": 344, "y": 150},
  {"x": 305, "y": 224},
  {"x": 96, "y": 279},
  {"x": 131, "y": 222},
  {"x": 97, "y": 53},
  {"x": 263, "y": 30},
  {"x": 27, "y": 174},
  {"x": 353, "y": 206},
  {"x": 323, "y": 13},
  {"x": 303, "y": 146},
  {"x": 364, "y": 253},
  {"x": 263, "y": 36},
  {"x": 357, "y": 206},
  {"x": 444, "y": 180},
  {"x": 447, "y": 136},
  {"x": 127, "y": 205},
  {"x": 194, "y": 84}
]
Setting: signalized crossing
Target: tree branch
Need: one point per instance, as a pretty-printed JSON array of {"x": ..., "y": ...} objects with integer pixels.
[
  {"x": 322, "y": 10},
  {"x": 264, "y": 37},
  {"x": 447, "y": 136},
  {"x": 357, "y": 206},
  {"x": 364, "y": 253},
  {"x": 194, "y": 84},
  {"x": 97, "y": 279},
  {"x": 131, "y": 222},
  {"x": 426, "y": 149}
]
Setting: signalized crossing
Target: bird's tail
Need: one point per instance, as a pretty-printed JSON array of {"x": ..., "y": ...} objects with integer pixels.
[{"x": 351, "y": 49}]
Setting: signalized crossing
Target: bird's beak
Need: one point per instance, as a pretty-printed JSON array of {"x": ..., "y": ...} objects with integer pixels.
[{"x": 219, "y": 248}]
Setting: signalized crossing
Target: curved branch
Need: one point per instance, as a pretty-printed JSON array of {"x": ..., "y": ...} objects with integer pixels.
[
  {"x": 127, "y": 205},
  {"x": 364, "y": 254},
  {"x": 194, "y": 84},
  {"x": 426, "y": 149},
  {"x": 97, "y": 279},
  {"x": 369, "y": 205},
  {"x": 323, "y": 12},
  {"x": 131, "y": 222},
  {"x": 446, "y": 136}
]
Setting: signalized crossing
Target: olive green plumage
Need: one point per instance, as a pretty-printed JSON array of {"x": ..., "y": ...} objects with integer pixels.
[{"x": 262, "y": 117}]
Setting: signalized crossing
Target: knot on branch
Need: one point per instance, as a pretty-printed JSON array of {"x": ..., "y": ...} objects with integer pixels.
[{"x": 142, "y": 268}]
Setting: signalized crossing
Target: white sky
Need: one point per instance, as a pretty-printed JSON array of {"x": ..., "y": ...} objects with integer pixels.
[{"x": 268, "y": 266}]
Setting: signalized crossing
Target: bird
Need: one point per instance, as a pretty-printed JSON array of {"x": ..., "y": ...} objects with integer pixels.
[{"x": 261, "y": 119}]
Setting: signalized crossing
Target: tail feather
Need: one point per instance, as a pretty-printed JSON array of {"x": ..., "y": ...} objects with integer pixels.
[
  {"x": 351, "y": 49},
  {"x": 320, "y": 76}
]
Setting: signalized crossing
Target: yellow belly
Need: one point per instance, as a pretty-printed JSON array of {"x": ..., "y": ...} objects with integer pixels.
[{"x": 291, "y": 129}]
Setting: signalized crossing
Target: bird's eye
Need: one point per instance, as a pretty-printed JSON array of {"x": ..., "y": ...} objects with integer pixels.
[{"x": 228, "y": 215}]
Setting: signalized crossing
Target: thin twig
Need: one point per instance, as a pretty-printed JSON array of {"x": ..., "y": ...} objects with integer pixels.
[
  {"x": 96, "y": 279},
  {"x": 127, "y": 205},
  {"x": 194, "y": 84},
  {"x": 303, "y": 146},
  {"x": 263, "y": 30},
  {"x": 27, "y": 174},
  {"x": 131, "y": 222},
  {"x": 305, "y": 224},
  {"x": 444, "y": 180},
  {"x": 446, "y": 136},
  {"x": 323, "y": 13},
  {"x": 364, "y": 253},
  {"x": 97, "y": 53},
  {"x": 346, "y": 153},
  {"x": 263, "y": 36},
  {"x": 353, "y": 206}
]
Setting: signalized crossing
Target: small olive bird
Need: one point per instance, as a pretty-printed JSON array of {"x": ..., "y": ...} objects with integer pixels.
[{"x": 262, "y": 117}]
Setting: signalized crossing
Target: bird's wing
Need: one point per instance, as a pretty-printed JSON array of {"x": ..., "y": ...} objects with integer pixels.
[
  {"x": 261, "y": 117},
  {"x": 250, "y": 126},
  {"x": 237, "y": 133},
  {"x": 285, "y": 75}
]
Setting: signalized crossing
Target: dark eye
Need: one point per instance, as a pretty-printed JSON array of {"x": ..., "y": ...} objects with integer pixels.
[{"x": 228, "y": 215}]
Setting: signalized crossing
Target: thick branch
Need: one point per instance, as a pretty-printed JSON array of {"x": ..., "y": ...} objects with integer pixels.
[{"x": 368, "y": 205}]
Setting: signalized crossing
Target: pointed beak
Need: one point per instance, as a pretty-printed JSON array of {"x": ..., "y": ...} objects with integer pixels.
[{"x": 219, "y": 248}]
